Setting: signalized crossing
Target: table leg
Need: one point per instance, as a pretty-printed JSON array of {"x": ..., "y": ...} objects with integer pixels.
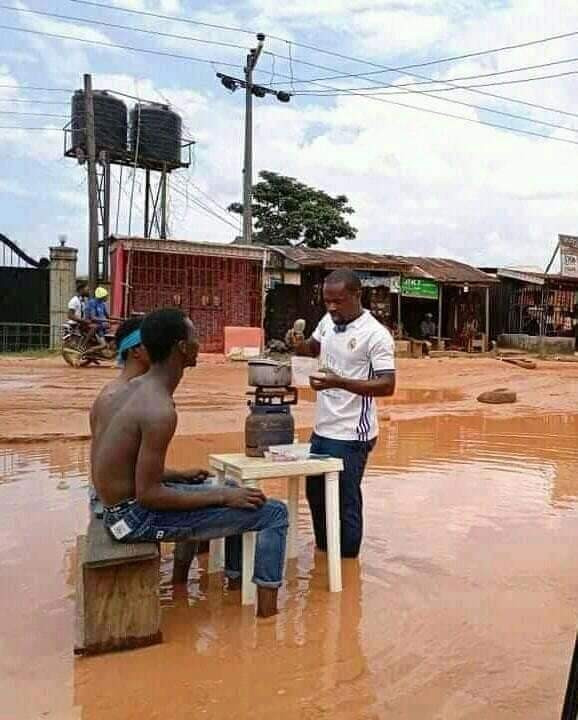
[
  {"x": 217, "y": 547},
  {"x": 248, "y": 588},
  {"x": 293, "y": 507},
  {"x": 333, "y": 530}
]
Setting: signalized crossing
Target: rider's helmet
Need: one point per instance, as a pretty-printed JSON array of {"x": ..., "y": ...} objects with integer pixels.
[{"x": 100, "y": 293}]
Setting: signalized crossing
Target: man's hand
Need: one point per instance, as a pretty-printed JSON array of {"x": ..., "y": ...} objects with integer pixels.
[
  {"x": 329, "y": 381},
  {"x": 243, "y": 498},
  {"x": 292, "y": 339}
]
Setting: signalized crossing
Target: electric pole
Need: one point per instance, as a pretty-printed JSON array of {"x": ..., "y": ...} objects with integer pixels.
[
  {"x": 92, "y": 185},
  {"x": 252, "y": 59},
  {"x": 251, "y": 89}
]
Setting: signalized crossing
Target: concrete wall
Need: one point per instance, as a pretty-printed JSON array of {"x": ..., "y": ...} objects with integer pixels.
[
  {"x": 62, "y": 288},
  {"x": 535, "y": 344}
]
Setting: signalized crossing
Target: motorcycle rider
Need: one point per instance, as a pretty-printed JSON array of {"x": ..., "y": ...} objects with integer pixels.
[
  {"x": 77, "y": 303},
  {"x": 96, "y": 313}
]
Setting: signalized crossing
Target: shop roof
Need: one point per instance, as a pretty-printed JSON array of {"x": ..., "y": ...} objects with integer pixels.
[
  {"x": 534, "y": 276},
  {"x": 180, "y": 247},
  {"x": 439, "y": 269},
  {"x": 448, "y": 271},
  {"x": 333, "y": 259}
]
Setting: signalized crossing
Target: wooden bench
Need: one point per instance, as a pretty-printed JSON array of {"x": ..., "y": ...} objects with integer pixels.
[{"x": 117, "y": 593}]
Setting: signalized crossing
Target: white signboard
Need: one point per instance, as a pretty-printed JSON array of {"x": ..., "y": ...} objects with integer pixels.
[{"x": 569, "y": 255}]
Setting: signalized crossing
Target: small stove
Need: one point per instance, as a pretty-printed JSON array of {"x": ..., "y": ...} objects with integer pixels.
[{"x": 269, "y": 421}]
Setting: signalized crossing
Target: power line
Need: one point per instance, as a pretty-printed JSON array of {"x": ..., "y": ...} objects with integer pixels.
[
  {"x": 448, "y": 81},
  {"x": 382, "y": 68},
  {"x": 489, "y": 94},
  {"x": 483, "y": 108},
  {"x": 160, "y": 16},
  {"x": 209, "y": 197},
  {"x": 118, "y": 46},
  {"x": 207, "y": 210},
  {"x": 32, "y": 101},
  {"x": 102, "y": 23},
  {"x": 36, "y": 87},
  {"x": 453, "y": 116},
  {"x": 313, "y": 48},
  {"x": 204, "y": 60},
  {"x": 32, "y": 114},
  {"x": 330, "y": 93},
  {"x": 184, "y": 185},
  {"x": 19, "y": 127},
  {"x": 453, "y": 58},
  {"x": 423, "y": 77}
]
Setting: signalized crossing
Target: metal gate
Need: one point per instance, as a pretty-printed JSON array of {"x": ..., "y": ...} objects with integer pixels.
[
  {"x": 24, "y": 300},
  {"x": 214, "y": 291}
]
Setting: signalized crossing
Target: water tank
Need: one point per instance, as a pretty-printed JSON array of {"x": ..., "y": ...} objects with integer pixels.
[
  {"x": 110, "y": 122},
  {"x": 157, "y": 131}
]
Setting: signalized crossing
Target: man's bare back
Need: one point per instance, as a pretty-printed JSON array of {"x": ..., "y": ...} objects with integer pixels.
[{"x": 118, "y": 429}]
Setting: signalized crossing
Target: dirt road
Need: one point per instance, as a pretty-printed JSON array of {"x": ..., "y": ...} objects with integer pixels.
[{"x": 45, "y": 399}]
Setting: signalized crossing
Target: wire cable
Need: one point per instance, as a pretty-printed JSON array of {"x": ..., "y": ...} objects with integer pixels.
[
  {"x": 489, "y": 94},
  {"x": 19, "y": 127},
  {"x": 32, "y": 101},
  {"x": 449, "y": 81},
  {"x": 36, "y": 87},
  {"x": 171, "y": 18},
  {"x": 313, "y": 48},
  {"x": 32, "y": 114},
  {"x": 118, "y": 46},
  {"x": 102, "y": 23}
]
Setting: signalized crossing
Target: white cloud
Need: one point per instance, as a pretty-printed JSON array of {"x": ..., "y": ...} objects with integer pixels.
[
  {"x": 14, "y": 187},
  {"x": 420, "y": 183}
]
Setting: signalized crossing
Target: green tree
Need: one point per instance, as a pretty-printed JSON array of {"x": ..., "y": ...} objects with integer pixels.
[{"x": 287, "y": 212}]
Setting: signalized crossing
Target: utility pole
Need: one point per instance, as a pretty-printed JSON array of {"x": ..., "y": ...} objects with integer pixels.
[
  {"x": 232, "y": 84},
  {"x": 252, "y": 59},
  {"x": 92, "y": 185}
]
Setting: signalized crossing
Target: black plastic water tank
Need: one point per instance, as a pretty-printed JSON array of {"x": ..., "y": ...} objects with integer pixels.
[
  {"x": 110, "y": 122},
  {"x": 157, "y": 131}
]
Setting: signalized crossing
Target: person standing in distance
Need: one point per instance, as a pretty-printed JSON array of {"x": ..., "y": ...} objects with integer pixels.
[{"x": 357, "y": 358}]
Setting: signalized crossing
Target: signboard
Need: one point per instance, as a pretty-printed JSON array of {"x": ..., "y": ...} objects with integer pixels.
[
  {"x": 568, "y": 255},
  {"x": 370, "y": 280},
  {"x": 426, "y": 289}
]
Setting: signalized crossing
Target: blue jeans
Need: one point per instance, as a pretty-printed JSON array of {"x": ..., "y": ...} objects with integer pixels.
[
  {"x": 270, "y": 522},
  {"x": 354, "y": 455}
]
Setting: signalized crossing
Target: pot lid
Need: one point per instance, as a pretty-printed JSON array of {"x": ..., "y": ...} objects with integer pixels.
[{"x": 268, "y": 362}]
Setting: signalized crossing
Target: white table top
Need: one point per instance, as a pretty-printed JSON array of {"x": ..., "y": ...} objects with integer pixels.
[{"x": 248, "y": 468}]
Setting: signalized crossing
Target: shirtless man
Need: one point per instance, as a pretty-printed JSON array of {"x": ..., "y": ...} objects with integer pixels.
[
  {"x": 135, "y": 362},
  {"x": 129, "y": 466}
]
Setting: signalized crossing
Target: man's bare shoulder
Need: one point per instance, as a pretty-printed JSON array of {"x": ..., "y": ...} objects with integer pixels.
[{"x": 151, "y": 403}]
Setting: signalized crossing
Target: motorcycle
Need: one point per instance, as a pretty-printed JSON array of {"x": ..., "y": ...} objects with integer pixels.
[{"x": 78, "y": 351}]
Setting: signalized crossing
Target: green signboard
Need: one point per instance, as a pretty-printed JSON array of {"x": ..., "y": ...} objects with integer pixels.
[{"x": 427, "y": 289}]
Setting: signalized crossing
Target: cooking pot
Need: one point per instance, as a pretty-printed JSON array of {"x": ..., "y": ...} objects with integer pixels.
[{"x": 264, "y": 372}]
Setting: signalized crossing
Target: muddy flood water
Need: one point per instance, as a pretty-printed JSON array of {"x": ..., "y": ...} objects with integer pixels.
[{"x": 463, "y": 604}]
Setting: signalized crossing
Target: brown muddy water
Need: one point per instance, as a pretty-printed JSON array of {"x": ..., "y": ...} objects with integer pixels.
[{"x": 463, "y": 604}]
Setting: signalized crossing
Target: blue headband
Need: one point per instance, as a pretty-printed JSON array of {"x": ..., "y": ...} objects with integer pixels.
[{"x": 130, "y": 341}]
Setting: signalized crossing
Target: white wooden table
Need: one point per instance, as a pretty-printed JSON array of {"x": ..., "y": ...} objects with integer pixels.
[{"x": 251, "y": 471}]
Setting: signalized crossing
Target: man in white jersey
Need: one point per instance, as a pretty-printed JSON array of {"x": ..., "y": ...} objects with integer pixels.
[{"x": 357, "y": 355}]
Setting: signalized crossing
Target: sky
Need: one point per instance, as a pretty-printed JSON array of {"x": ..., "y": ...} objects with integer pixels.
[{"x": 420, "y": 183}]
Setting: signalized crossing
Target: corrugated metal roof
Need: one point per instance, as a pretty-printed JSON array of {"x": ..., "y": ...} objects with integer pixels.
[
  {"x": 449, "y": 271},
  {"x": 331, "y": 259},
  {"x": 440, "y": 269},
  {"x": 247, "y": 252},
  {"x": 535, "y": 277}
]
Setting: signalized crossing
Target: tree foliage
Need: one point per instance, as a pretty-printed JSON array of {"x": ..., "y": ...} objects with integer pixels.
[{"x": 288, "y": 212}]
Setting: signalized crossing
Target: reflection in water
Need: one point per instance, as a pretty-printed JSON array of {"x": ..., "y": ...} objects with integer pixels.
[
  {"x": 403, "y": 396},
  {"x": 463, "y": 604}
]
